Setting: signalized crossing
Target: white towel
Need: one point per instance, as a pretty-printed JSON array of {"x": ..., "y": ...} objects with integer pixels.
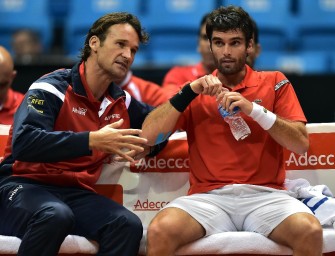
[
  {"x": 323, "y": 207},
  {"x": 222, "y": 243},
  {"x": 78, "y": 244},
  {"x": 71, "y": 244},
  {"x": 9, "y": 244},
  {"x": 301, "y": 188},
  {"x": 242, "y": 243},
  {"x": 318, "y": 198}
]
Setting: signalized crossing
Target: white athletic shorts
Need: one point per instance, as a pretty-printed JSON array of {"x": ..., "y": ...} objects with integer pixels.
[{"x": 240, "y": 207}]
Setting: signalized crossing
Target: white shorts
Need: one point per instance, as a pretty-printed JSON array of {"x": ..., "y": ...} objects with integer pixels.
[{"x": 240, "y": 207}]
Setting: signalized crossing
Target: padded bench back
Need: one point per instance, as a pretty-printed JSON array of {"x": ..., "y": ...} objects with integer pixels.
[
  {"x": 148, "y": 186},
  {"x": 154, "y": 182}
]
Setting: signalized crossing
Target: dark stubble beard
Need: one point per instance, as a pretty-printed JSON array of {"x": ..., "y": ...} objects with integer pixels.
[{"x": 232, "y": 68}]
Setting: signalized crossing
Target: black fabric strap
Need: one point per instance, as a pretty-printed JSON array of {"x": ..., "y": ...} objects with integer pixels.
[
  {"x": 183, "y": 98},
  {"x": 154, "y": 150}
]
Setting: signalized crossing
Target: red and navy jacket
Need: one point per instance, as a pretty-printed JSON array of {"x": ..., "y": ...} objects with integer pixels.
[{"x": 49, "y": 139}]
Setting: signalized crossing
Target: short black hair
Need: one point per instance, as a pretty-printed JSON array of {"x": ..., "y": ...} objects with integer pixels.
[{"x": 230, "y": 18}]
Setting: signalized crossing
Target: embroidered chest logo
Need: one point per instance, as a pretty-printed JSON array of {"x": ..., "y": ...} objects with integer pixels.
[
  {"x": 79, "y": 111},
  {"x": 112, "y": 116}
]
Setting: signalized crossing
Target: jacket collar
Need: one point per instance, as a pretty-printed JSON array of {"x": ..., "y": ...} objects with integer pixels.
[{"x": 80, "y": 86}]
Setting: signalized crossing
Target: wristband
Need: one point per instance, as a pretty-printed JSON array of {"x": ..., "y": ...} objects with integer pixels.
[
  {"x": 154, "y": 150},
  {"x": 183, "y": 98},
  {"x": 262, "y": 116}
]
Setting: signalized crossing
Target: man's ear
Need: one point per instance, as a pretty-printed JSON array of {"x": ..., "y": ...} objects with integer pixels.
[
  {"x": 250, "y": 45},
  {"x": 94, "y": 43}
]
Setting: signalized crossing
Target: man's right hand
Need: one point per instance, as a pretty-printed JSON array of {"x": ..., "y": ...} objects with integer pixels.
[
  {"x": 122, "y": 142},
  {"x": 208, "y": 84}
]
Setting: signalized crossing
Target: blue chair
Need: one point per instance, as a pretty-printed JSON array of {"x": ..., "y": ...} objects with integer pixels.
[
  {"x": 58, "y": 11},
  {"x": 316, "y": 25},
  {"x": 30, "y": 14},
  {"x": 82, "y": 16},
  {"x": 332, "y": 63},
  {"x": 302, "y": 63},
  {"x": 173, "y": 26},
  {"x": 274, "y": 19}
]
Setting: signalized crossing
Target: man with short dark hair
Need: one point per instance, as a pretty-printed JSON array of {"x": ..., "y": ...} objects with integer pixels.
[
  {"x": 178, "y": 75},
  {"x": 235, "y": 185}
]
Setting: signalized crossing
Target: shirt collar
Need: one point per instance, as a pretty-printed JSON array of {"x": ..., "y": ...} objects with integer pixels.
[
  {"x": 251, "y": 79},
  {"x": 84, "y": 82}
]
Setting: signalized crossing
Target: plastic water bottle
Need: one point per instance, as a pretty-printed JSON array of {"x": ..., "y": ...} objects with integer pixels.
[{"x": 238, "y": 126}]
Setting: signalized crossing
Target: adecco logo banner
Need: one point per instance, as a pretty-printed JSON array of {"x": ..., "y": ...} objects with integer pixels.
[
  {"x": 148, "y": 205},
  {"x": 321, "y": 154},
  {"x": 174, "y": 158}
]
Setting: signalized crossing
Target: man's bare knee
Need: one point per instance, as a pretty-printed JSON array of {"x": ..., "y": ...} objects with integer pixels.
[{"x": 305, "y": 237}]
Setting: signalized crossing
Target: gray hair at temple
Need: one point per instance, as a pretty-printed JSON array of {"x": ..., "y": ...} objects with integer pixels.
[{"x": 100, "y": 28}]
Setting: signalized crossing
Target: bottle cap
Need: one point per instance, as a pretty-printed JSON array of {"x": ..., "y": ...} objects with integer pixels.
[{"x": 225, "y": 113}]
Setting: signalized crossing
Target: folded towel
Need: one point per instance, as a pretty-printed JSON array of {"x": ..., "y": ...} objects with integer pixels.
[
  {"x": 241, "y": 243},
  {"x": 78, "y": 244},
  {"x": 323, "y": 207},
  {"x": 222, "y": 243},
  {"x": 301, "y": 188},
  {"x": 9, "y": 244},
  {"x": 318, "y": 198},
  {"x": 72, "y": 244}
]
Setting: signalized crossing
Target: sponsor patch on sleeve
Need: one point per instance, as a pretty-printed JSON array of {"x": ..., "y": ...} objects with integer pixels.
[{"x": 281, "y": 83}]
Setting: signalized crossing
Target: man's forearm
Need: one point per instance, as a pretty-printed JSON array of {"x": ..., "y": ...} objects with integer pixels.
[
  {"x": 292, "y": 135},
  {"x": 160, "y": 123}
]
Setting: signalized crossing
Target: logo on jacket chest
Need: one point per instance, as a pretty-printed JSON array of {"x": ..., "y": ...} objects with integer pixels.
[
  {"x": 112, "y": 116},
  {"x": 79, "y": 110}
]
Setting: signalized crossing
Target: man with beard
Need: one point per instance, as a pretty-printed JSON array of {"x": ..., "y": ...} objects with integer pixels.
[
  {"x": 234, "y": 185},
  {"x": 177, "y": 76}
]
